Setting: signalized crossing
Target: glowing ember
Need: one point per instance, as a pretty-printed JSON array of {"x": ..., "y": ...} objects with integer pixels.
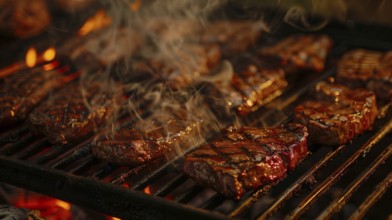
[
  {"x": 114, "y": 218},
  {"x": 49, "y": 54},
  {"x": 50, "y": 66},
  {"x": 96, "y": 22},
  {"x": 50, "y": 208},
  {"x": 135, "y": 5},
  {"x": 147, "y": 190},
  {"x": 31, "y": 57}
]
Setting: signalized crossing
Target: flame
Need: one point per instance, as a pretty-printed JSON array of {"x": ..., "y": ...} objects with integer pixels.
[
  {"x": 49, "y": 54},
  {"x": 114, "y": 218},
  {"x": 51, "y": 66},
  {"x": 135, "y": 5},
  {"x": 147, "y": 190},
  {"x": 31, "y": 57},
  {"x": 99, "y": 20},
  {"x": 64, "y": 205}
]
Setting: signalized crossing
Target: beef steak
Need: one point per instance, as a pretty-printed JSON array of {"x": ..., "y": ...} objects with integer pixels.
[
  {"x": 245, "y": 158},
  {"x": 337, "y": 114}
]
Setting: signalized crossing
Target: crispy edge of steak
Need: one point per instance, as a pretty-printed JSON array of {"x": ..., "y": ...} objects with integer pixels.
[
  {"x": 66, "y": 118},
  {"x": 22, "y": 92},
  {"x": 367, "y": 69},
  {"x": 299, "y": 52},
  {"x": 248, "y": 90},
  {"x": 245, "y": 158},
  {"x": 337, "y": 115},
  {"x": 132, "y": 147}
]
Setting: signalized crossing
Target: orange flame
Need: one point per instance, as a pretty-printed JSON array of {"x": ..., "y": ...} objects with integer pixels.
[
  {"x": 31, "y": 57},
  {"x": 135, "y": 5},
  {"x": 114, "y": 218},
  {"x": 96, "y": 22},
  {"x": 49, "y": 54},
  {"x": 147, "y": 190}
]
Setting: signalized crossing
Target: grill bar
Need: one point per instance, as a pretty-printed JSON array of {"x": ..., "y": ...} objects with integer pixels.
[
  {"x": 171, "y": 185},
  {"x": 378, "y": 192},
  {"x": 289, "y": 192},
  {"x": 327, "y": 183},
  {"x": 338, "y": 203}
]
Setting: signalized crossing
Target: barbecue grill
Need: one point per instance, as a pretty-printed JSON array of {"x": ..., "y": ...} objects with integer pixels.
[{"x": 350, "y": 181}]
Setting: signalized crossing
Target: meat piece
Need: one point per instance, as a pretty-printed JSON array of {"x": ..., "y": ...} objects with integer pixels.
[
  {"x": 245, "y": 158},
  {"x": 250, "y": 87},
  {"x": 149, "y": 139},
  {"x": 337, "y": 114},
  {"x": 74, "y": 112},
  {"x": 233, "y": 36},
  {"x": 182, "y": 66},
  {"x": 300, "y": 52},
  {"x": 367, "y": 69},
  {"x": 22, "y": 92}
]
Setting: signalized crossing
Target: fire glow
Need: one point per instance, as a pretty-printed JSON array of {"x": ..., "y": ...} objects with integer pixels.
[
  {"x": 96, "y": 22},
  {"x": 31, "y": 57}
]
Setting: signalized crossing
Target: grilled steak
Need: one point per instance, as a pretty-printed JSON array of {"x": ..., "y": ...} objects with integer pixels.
[
  {"x": 337, "y": 114},
  {"x": 233, "y": 36},
  {"x": 245, "y": 158},
  {"x": 148, "y": 139},
  {"x": 367, "y": 69},
  {"x": 250, "y": 87},
  {"x": 299, "y": 52},
  {"x": 183, "y": 66},
  {"x": 74, "y": 112},
  {"x": 22, "y": 92}
]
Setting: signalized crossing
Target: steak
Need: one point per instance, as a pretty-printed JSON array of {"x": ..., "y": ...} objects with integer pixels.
[
  {"x": 299, "y": 52},
  {"x": 149, "y": 139},
  {"x": 250, "y": 87},
  {"x": 74, "y": 112},
  {"x": 367, "y": 69},
  {"x": 22, "y": 92},
  {"x": 182, "y": 67},
  {"x": 337, "y": 114},
  {"x": 233, "y": 36},
  {"x": 245, "y": 158}
]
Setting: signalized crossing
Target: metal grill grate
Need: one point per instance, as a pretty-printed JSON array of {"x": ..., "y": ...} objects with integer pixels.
[{"x": 71, "y": 173}]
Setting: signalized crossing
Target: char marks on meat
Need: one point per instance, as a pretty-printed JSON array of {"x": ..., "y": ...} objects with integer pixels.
[
  {"x": 299, "y": 52},
  {"x": 337, "y": 114},
  {"x": 245, "y": 158},
  {"x": 251, "y": 86},
  {"x": 22, "y": 92},
  {"x": 367, "y": 69},
  {"x": 74, "y": 112},
  {"x": 149, "y": 139}
]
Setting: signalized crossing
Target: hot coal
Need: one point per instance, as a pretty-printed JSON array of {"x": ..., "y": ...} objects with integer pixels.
[
  {"x": 299, "y": 52},
  {"x": 74, "y": 112},
  {"x": 367, "y": 69},
  {"x": 22, "y": 92},
  {"x": 337, "y": 114},
  {"x": 245, "y": 158}
]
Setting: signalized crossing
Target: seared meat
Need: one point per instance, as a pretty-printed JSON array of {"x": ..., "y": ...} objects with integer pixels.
[
  {"x": 300, "y": 52},
  {"x": 337, "y": 114},
  {"x": 22, "y": 92},
  {"x": 367, "y": 69},
  {"x": 249, "y": 88},
  {"x": 182, "y": 66},
  {"x": 74, "y": 112},
  {"x": 246, "y": 158},
  {"x": 149, "y": 139},
  {"x": 233, "y": 36}
]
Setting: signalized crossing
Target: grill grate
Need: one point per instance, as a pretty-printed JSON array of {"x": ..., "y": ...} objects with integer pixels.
[{"x": 71, "y": 173}]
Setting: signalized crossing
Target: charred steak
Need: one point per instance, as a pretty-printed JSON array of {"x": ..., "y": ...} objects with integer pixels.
[
  {"x": 367, "y": 69},
  {"x": 148, "y": 139},
  {"x": 299, "y": 52},
  {"x": 182, "y": 66},
  {"x": 22, "y": 92},
  {"x": 337, "y": 114},
  {"x": 74, "y": 112},
  {"x": 245, "y": 158},
  {"x": 249, "y": 88}
]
